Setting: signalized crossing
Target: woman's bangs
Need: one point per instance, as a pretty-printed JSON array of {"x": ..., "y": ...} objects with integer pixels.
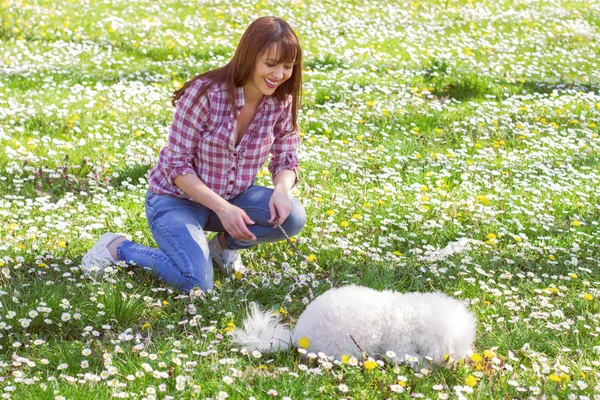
[{"x": 287, "y": 50}]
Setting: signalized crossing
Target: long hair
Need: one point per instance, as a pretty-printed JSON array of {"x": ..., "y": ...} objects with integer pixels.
[{"x": 258, "y": 37}]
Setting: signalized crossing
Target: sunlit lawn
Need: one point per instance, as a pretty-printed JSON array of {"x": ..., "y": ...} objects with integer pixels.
[{"x": 422, "y": 123}]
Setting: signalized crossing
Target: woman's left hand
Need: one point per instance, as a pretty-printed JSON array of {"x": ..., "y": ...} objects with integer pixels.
[{"x": 280, "y": 205}]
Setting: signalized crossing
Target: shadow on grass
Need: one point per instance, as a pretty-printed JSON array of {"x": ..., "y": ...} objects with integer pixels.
[
  {"x": 481, "y": 88},
  {"x": 56, "y": 183}
]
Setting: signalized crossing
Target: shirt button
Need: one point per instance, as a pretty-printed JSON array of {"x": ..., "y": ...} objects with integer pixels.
[
  {"x": 233, "y": 168},
  {"x": 231, "y": 182},
  {"x": 235, "y": 154},
  {"x": 228, "y": 194}
]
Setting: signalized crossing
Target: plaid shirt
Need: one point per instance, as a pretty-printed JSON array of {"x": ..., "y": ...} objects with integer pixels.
[{"x": 201, "y": 142}]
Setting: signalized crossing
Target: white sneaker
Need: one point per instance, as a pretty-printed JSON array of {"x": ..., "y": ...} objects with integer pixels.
[
  {"x": 98, "y": 258},
  {"x": 229, "y": 261}
]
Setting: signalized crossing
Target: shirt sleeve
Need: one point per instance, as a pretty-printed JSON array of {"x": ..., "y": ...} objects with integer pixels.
[
  {"x": 189, "y": 123},
  {"x": 284, "y": 148}
]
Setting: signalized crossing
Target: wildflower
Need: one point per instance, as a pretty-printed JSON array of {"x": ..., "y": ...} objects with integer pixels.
[
  {"x": 304, "y": 342},
  {"x": 489, "y": 354},
  {"x": 588, "y": 297},
  {"x": 312, "y": 258},
  {"x": 272, "y": 392},
  {"x": 470, "y": 381},
  {"x": 370, "y": 365},
  {"x": 575, "y": 223},
  {"x": 343, "y": 388},
  {"x": 554, "y": 378},
  {"x": 476, "y": 357},
  {"x": 483, "y": 200},
  {"x": 396, "y": 388}
]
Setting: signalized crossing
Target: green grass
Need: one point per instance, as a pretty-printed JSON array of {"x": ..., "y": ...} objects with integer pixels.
[{"x": 422, "y": 122}]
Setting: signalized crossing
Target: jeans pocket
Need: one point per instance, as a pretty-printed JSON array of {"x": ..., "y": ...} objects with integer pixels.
[{"x": 150, "y": 199}]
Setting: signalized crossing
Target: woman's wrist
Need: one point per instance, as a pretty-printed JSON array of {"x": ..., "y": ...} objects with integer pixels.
[{"x": 284, "y": 180}]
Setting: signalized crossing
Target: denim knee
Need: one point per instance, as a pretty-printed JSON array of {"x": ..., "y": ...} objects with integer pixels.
[{"x": 296, "y": 220}]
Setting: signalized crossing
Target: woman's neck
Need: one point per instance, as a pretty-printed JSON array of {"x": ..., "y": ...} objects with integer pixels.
[{"x": 252, "y": 96}]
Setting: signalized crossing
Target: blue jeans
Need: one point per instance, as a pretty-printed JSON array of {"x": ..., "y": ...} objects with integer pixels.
[{"x": 178, "y": 225}]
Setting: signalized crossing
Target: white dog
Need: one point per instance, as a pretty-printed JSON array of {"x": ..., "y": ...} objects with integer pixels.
[{"x": 353, "y": 319}]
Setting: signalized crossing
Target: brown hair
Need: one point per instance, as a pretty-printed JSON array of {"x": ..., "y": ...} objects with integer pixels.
[{"x": 258, "y": 37}]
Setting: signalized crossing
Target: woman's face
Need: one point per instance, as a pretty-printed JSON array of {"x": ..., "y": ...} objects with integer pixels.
[{"x": 269, "y": 73}]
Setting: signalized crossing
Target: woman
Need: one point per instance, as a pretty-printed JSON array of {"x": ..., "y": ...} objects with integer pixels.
[{"x": 226, "y": 123}]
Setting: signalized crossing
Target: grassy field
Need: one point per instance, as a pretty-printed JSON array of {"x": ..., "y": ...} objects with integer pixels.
[{"x": 423, "y": 122}]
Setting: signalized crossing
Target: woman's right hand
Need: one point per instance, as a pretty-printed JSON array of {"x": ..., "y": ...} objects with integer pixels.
[{"x": 236, "y": 221}]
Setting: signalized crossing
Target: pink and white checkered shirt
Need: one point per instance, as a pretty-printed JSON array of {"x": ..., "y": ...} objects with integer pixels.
[{"x": 201, "y": 142}]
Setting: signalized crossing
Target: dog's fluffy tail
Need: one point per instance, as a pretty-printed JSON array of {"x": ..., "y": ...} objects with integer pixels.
[{"x": 263, "y": 331}]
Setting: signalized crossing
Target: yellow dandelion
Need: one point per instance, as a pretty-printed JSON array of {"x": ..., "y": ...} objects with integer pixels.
[
  {"x": 238, "y": 275},
  {"x": 588, "y": 297},
  {"x": 573, "y": 276},
  {"x": 370, "y": 364},
  {"x": 490, "y": 236},
  {"x": 345, "y": 359},
  {"x": 476, "y": 357},
  {"x": 575, "y": 223},
  {"x": 471, "y": 381},
  {"x": 330, "y": 212},
  {"x": 483, "y": 200},
  {"x": 344, "y": 224},
  {"x": 62, "y": 244},
  {"x": 565, "y": 378},
  {"x": 489, "y": 353},
  {"x": 304, "y": 342},
  {"x": 312, "y": 258}
]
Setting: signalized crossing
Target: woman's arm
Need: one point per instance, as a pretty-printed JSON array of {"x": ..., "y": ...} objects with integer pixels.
[
  {"x": 234, "y": 219},
  {"x": 279, "y": 204}
]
